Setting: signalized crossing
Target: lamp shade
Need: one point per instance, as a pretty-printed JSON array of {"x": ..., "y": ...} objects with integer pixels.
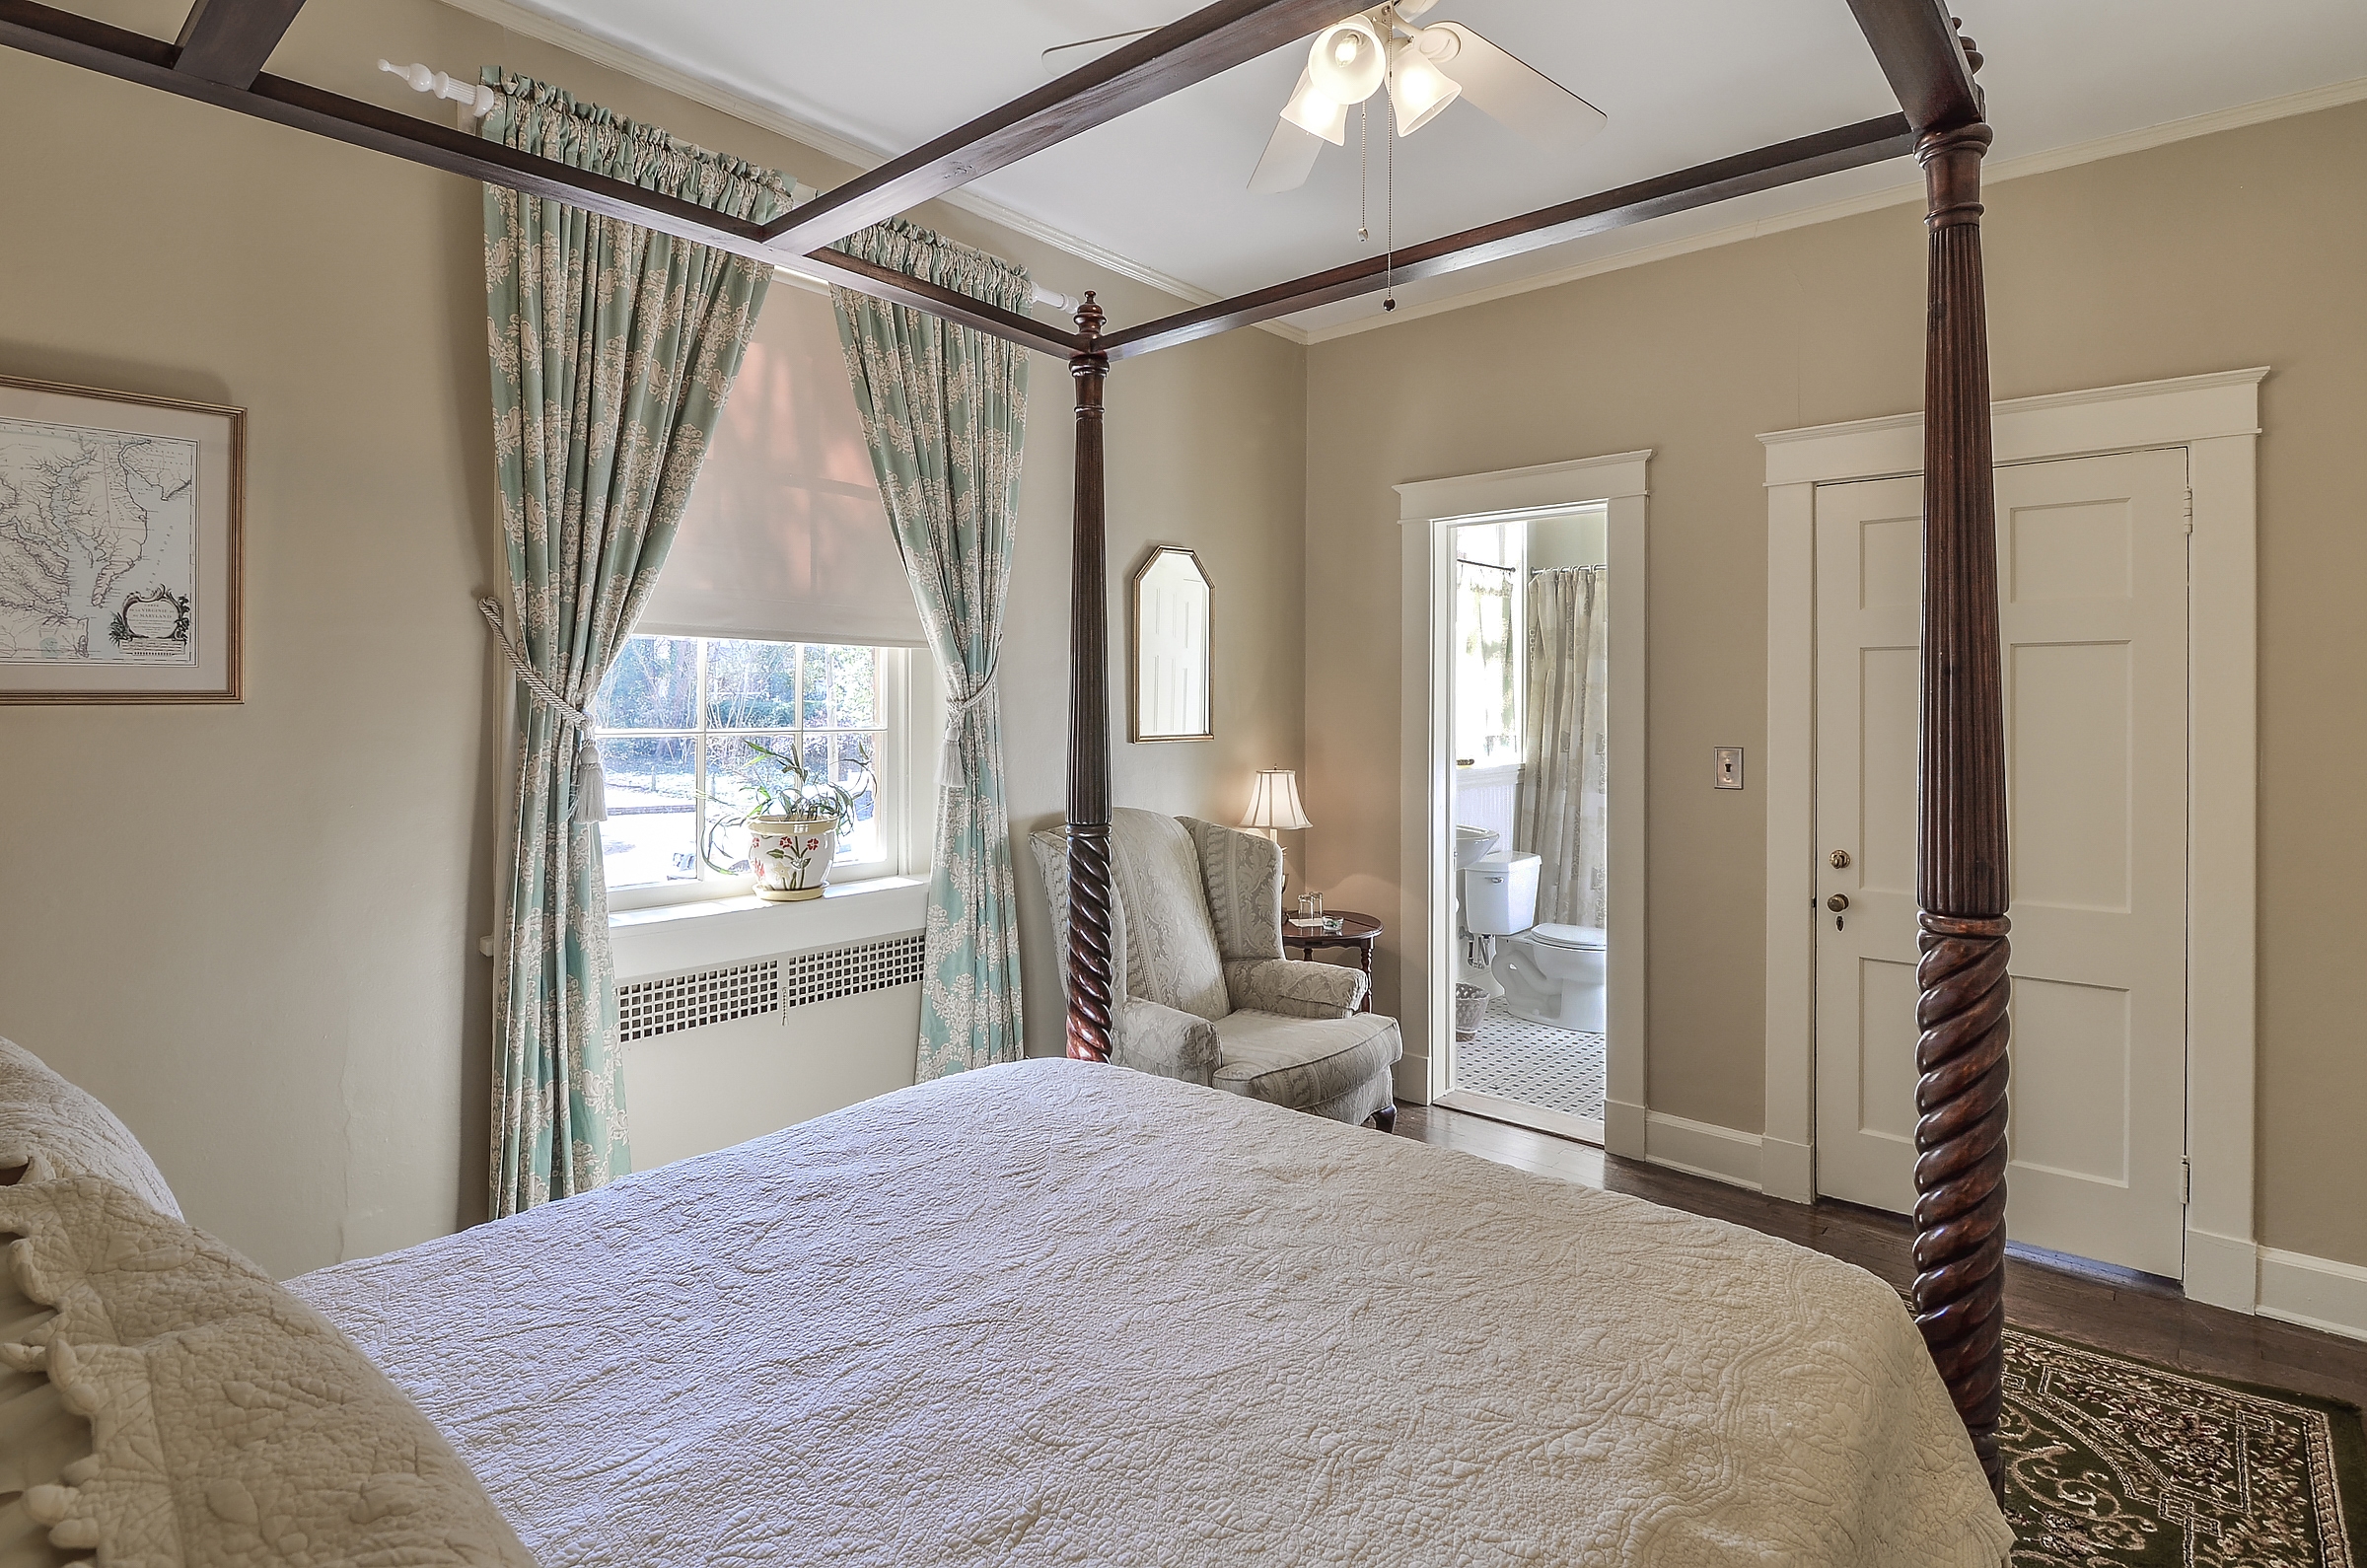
[
  {"x": 1275, "y": 800},
  {"x": 1418, "y": 88},
  {"x": 1349, "y": 61},
  {"x": 1312, "y": 111}
]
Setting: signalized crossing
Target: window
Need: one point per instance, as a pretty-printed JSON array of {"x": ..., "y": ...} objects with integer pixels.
[
  {"x": 1488, "y": 557},
  {"x": 683, "y": 725}
]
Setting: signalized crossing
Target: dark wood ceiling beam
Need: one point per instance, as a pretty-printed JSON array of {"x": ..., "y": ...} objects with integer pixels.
[
  {"x": 1915, "y": 43},
  {"x": 1203, "y": 44},
  {"x": 1786, "y": 162},
  {"x": 229, "y": 41},
  {"x": 134, "y": 57}
]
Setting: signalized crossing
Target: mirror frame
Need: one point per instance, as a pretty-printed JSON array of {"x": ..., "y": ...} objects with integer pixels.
[{"x": 1134, "y": 714}]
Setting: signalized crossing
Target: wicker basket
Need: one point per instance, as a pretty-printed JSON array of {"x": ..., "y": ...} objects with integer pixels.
[{"x": 1470, "y": 1006}]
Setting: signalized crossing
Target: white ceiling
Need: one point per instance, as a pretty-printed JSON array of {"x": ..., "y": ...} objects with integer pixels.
[{"x": 1682, "y": 81}]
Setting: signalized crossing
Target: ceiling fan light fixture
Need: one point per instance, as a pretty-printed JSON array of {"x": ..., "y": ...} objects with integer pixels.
[
  {"x": 1313, "y": 110},
  {"x": 1349, "y": 61},
  {"x": 1418, "y": 88}
]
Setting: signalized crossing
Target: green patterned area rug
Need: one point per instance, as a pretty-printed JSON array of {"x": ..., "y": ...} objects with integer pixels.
[{"x": 2118, "y": 1463}]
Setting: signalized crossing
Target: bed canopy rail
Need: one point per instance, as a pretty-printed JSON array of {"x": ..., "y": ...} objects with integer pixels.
[{"x": 1960, "y": 845}]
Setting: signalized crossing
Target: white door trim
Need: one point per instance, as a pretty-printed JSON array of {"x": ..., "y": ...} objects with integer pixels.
[
  {"x": 1429, "y": 508},
  {"x": 2216, "y": 418}
]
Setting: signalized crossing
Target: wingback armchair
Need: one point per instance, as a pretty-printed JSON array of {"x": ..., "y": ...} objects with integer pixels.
[{"x": 1205, "y": 994}]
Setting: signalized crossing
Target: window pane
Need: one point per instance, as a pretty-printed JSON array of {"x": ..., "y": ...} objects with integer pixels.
[
  {"x": 735, "y": 770},
  {"x": 752, "y": 686},
  {"x": 650, "y": 834},
  {"x": 817, "y": 707},
  {"x": 652, "y": 688},
  {"x": 854, "y": 686},
  {"x": 853, "y": 774}
]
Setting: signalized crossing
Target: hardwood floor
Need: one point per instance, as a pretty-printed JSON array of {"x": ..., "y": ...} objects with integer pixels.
[{"x": 2131, "y": 1315}]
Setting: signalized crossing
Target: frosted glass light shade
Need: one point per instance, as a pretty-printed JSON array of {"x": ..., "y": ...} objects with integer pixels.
[
  {"x": 1312, "y": 110},
  {"x": 1418, "y": 90},
  {"x": 1275, "y": 800},
  {"x": 1347, "y": 61}
]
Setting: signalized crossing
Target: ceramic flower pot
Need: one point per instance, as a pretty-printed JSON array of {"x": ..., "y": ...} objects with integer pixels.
[{"x": 791, "y": 856}]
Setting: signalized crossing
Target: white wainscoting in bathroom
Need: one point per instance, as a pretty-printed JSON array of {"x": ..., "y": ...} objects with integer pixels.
[{"x": 1487, "y": 797}]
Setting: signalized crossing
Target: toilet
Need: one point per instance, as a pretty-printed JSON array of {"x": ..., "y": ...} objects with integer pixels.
[{"x": 1551, "y": 974}]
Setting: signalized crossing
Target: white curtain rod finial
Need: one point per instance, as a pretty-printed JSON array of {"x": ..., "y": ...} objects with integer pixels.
[{"x": 480, "y": 99}]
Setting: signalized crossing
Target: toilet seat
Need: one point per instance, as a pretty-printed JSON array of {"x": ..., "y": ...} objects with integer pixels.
[{"x": 1557, "y": 935}]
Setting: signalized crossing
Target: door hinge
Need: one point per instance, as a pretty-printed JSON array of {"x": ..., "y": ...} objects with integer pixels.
[
  {"x": 2190, "y": 509},
  {"x": 2186, "y": 1180}
]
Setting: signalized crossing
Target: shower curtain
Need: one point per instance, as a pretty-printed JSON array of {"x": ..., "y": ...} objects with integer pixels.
[{"x": 1560, "y": 816}]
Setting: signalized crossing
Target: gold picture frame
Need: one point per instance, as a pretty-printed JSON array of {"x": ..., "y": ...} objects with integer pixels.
[{"x": 122, "y": 538}]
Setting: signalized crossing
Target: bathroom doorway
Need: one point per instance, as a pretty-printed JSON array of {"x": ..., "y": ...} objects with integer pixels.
[{"x": 1529, "y": 768}]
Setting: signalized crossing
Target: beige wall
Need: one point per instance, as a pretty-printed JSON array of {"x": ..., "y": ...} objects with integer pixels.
[
  {"x": 298, "y": 1032},
  {"x": 2235, "y": 249},
  {"x": 291, "y": 1013}
]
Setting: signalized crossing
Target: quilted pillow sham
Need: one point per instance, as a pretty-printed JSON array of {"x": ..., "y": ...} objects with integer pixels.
[
  {"x": 230, "y": 1423},
  {"x": 49, "y": 1128}
]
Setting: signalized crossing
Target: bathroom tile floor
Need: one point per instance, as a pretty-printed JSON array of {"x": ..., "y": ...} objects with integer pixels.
[{"x": 1536, "y": 1064}]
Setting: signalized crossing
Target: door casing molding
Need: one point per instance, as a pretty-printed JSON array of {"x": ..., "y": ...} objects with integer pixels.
[
  {"x": 1427, "y": 512},
  {"x": 2216, "y": 419}
]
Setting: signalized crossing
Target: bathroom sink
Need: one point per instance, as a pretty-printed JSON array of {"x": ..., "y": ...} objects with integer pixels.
[{"x": 1470, "y": 843}]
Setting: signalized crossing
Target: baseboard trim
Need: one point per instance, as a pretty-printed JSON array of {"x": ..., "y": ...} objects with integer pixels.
[
  {"x": 2222, "y": 1270},
  {"x": 2314, "y": 1292},
  {"x": 1787, "y": 1170},
  {"x": 1410, "y": 1078},
  {"x": 1624, "y": 1130},
  {"x": 1699, "y": 1149}
]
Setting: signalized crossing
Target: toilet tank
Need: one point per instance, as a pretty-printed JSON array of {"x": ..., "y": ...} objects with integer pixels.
[{"x": 1499, "y": 895}]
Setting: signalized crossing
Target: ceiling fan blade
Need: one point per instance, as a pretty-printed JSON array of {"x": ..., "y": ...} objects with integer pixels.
[
  {"x": 1518, "y": 95},
  {"x": 1107, "y": 38},
  {"x": 1289, "y": 158}
]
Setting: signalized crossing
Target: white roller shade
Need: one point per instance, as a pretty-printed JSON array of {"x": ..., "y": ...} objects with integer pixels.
[{"x": 784, "y": 538}]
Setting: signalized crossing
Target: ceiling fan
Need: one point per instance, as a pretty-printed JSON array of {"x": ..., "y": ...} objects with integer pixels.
[{"x": 1352, "y": 59}]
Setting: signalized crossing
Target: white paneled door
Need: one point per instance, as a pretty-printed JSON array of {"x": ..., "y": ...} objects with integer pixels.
[{"x": 2092, "y": 582}]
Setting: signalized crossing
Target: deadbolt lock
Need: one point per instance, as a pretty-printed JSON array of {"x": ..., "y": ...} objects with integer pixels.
[
  {"x": 1837, "y": 902},
  {"x": 1840, "y": 858}
]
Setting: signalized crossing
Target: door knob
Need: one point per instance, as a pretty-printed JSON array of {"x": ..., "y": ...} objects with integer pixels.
[
  {"x": 1840, "y": 858},
  {"x": 1837, "y": 902}
]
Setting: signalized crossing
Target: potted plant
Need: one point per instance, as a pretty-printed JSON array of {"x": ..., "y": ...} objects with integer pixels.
[{"x": 793, "y": 830}]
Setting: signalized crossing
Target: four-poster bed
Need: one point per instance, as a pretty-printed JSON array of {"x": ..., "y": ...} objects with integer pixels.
[{"x": 1962, "y": 875}]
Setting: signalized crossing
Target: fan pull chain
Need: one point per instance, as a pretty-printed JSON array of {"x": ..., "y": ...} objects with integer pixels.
[
  {"x": 1389, "y": 261},
  {"x": 1364, "y": 178}
]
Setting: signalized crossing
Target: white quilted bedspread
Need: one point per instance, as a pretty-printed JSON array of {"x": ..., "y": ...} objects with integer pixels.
[{"x": 1056, "y": 1313}]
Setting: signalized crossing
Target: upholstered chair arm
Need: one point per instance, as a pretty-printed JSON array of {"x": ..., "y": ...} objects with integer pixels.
[
  {"x": 1166, "y": 1042},
  {"x": 1298, "y": 987}
]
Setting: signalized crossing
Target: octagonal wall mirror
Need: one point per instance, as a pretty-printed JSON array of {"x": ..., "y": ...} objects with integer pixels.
[{"x": 1173, "y": 603}]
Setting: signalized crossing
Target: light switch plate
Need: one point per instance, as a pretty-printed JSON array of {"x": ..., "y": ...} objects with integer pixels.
[{"x": 1730, "y": 767}]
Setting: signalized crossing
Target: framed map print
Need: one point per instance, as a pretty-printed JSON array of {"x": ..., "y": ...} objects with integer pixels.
[{"x": 120, "y": 537}]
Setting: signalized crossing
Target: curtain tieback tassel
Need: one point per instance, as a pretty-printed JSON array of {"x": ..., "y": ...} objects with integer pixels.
[
  {"x": 958, "y": 707},
  {"x": 589, "y": 785}
]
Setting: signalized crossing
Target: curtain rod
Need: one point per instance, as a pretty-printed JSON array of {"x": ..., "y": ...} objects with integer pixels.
[{"x": 481, "y": 100}]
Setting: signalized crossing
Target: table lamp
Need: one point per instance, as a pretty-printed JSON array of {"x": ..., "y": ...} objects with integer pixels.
[{"x": 1274, "y": 806}]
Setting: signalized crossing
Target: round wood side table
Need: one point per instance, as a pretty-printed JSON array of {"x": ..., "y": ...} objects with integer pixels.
[{"x": 1358, "y": 931}]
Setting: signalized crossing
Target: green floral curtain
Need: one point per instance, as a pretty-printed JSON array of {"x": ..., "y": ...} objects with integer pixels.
[
  {"x": 945, "y": 411},
  {"x": 612, "y": 349}
]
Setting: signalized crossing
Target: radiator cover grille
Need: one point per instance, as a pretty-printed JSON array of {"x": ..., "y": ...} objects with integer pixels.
[
  {"x": 678, "y": 1002},
  {"x": 849, "y": 971}
]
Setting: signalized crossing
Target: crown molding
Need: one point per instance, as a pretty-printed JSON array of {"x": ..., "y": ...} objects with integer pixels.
[
  {"x": 2305, "y": 102},
  {"x": 618, "y": 58}
]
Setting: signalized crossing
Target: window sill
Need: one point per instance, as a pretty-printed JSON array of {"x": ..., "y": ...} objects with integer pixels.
[{"x": 667, "y": 938}]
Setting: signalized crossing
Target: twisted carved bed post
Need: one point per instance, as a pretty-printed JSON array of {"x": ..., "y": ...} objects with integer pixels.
[
  {"x": 1960, "y": 879},
  {"x": 1090, "y": 984}
]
